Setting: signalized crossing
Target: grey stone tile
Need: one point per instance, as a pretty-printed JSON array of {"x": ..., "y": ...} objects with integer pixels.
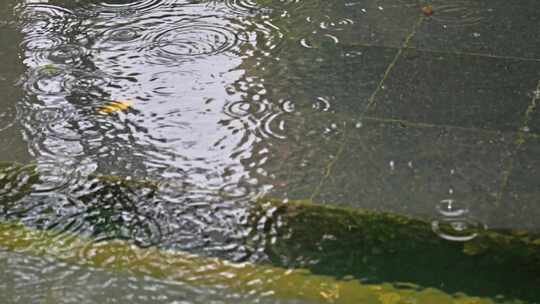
[
  {"x": 382, "y": 23},
  {"x": 294, "y": 165},
  {"x": 409, "y": 170},
  {"x": 12, "y": 144},
  {"x": 495, "y": 27},
  {"x": 521, "y": 200},
  {"x": 339, "y": 78},
  {"x": 372, "y": 22},
  {"x": 464, "y": 91}
]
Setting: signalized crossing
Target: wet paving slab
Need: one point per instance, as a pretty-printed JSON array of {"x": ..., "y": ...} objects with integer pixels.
[
  {"x": 12, "y": 145},
  {"x": 458, "y": 90},
  {"x": 294, "y": 168},
  {"x": 374, "y": 22},
  {"x": 521, "y": 198},
  {"x": 414, "y": 170},
  {"x": 419, "y": 125},
  {"x": 426, "y": 91},
  {"x": 495, "y": 28},
  {"x": 352, "y": 74}
]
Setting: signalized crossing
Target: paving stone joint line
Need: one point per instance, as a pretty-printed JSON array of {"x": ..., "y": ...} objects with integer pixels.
[
  {"x": 371, "y": 100},
  {"x": 330, "y": 165},
  {"x": 520, "y": 139},
  {"x": 343, "y": 142}
]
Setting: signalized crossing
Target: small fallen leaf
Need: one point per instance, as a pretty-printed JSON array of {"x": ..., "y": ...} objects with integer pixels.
[
  {"x": 427, "y": 10},
  {"x": 115, "y": 106}
]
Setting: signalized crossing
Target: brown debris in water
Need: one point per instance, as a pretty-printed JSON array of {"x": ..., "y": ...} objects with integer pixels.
[{"x": 427, "y": 10}]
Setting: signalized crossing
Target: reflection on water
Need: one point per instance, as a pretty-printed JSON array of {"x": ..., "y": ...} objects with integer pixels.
[
  {"x": 55, "y": 282},
  {"x": 202, "y": 123},
  {"x": 174, "y": 61}
]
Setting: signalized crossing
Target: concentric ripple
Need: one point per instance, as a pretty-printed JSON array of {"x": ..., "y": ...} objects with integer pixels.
[
  {"x": 237, "y": 191},
  {"x": 191, "y": 40},
  {"x": 272, "y": 125},
  {"x": 81, "y": 81},
  {"x": 66, "y": 54},
  {"x": 49, "y": 50},
  {"x": 243, "y": 108},
  {"x": 457, "y": 229},
  {"x": 51, "y": 115},
  {"x": 38, "y": 42},
  {"x": 45, "y": 18},
  {"x": 458, "y": 13},
  {"x": 55, "y": 175},
  {"x": 121, "y": 7},
  {"x": 451, "y": 208},
  {"x": 121, "y": 38},
  {"x": 15, "y": 182},
  {"x": 47, "y": 80},
  {"x": 243, "y": 7},
  {"x": 60, "y": 80}
]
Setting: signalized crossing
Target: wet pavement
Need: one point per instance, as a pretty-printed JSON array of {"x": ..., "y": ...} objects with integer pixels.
[
  {"x": 367, "y": 104},
  {"x": 370, "y": 104},
  {"x": 453, "y": 115}
]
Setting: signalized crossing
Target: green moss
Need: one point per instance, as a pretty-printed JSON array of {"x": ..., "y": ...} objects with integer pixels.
[
  {"x": 340, "y": 243},
  {"x": 257, "y": 280},
  {"x": 382, "y": 247}
]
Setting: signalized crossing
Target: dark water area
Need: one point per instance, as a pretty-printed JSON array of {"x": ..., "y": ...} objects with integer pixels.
[{"x": 178, "y": 125}]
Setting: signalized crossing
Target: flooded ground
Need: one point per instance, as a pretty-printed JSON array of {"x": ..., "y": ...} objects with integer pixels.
[{"x": 388, "y": 148}]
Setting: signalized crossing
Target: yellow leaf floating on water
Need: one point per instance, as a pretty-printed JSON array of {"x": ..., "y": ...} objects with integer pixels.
[{"x": 115, "y": 106}]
